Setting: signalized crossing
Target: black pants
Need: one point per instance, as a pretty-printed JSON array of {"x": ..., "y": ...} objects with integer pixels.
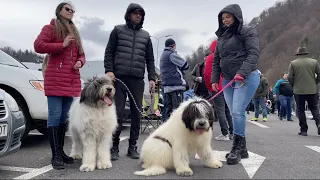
[
  {"x": 273, "y": 104},
  {"x": 173, "y": 100},
  {"x": 223, "y": 113},
  {"x": 136, "y": 87},
  {"x": 312, "y": 100}
]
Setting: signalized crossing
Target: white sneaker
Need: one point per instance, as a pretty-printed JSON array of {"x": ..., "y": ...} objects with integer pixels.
[{"x": 222, "y": 137}]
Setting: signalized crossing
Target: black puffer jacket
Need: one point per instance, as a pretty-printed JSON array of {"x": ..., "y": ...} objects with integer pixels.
[
  {"x": 129, "y": 49},
  {"x": 237, "y": 50}
]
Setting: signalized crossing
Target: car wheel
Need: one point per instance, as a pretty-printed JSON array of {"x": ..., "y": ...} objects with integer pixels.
[
  {"x": 43, "y": 131},
  {"x": 28, "y": 120}
]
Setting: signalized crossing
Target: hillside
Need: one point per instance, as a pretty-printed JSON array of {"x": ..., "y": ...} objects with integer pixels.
[{"x": 282, "y": 29}]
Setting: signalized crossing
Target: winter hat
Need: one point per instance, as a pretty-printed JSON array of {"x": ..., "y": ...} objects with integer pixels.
[{"x": 170, "y": 42}]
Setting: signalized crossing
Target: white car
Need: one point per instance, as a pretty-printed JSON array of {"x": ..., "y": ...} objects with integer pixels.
[{"x": 26, "y": 87}]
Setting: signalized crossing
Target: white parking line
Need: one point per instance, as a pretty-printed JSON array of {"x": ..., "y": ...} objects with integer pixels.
[
  {"x": 315, "y": 148},
  {"x": 17, "y": 169},
  {"x": 33, "y": 172},
  {"x": 258, "y": 124}
]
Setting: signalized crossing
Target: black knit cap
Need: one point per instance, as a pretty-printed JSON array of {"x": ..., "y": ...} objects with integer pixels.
[{"x": 170, "y": 42}]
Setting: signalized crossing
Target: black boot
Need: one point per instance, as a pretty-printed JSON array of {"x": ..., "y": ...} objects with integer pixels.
[
  {"x": 66, "y": 159},
  {"x": 132, "y": 152},
  {"x": 114, "y": 153},
  {"x": 244, "y": 152},
  {"x": 56, "y": 160},
  {"x": 235, "y": 154}
]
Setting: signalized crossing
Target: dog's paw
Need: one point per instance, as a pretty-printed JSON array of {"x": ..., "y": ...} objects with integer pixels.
[
  {"x": 184, "y": 172},
  {"x": 87, "y": 167},
  {"x": 106, "y": 165},
  {"x": 76, "y": 156},
  {"x": 215, "y": 164}
]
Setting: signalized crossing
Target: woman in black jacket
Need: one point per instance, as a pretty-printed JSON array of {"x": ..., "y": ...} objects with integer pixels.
[{"x": 236, "y": 56}]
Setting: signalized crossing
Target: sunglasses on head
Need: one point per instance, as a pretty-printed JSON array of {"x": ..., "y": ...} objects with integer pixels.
[{"x": 69, "y": 10}]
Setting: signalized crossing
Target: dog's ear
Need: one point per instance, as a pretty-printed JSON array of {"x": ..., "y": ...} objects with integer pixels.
[
  {"x": 189, "y": 115},
  {"x": 82, "y": 96}
]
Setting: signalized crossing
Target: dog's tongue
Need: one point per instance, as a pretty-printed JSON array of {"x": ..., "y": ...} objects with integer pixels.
[
  {"x": 107, "y": 100},
  {"x": 200, "y": 131}
]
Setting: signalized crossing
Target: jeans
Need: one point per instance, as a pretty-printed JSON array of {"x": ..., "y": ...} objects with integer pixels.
[
  {"x": 173, "y": 100},
  {"x": 136, "y": 87},
  {"x": 286, "y": 106},
  {"x": 163, "y": 112},
  {"x": 312, "y": 100},
  {"x": 58, "y": 109},
  {"x": 278, "y": 106},
  {"x": 257, "y": 103},
  {"x": 223, "y": 114},
  {"x": 238, "y": 99}
]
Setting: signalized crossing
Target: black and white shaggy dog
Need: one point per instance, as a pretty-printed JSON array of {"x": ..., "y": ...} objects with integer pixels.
[
  {"x": 93, "y": 120},
  {"x": 187, "y": 132}
]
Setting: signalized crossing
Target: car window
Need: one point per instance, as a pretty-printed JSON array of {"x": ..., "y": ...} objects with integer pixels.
[{"x": 10, "y": 61}]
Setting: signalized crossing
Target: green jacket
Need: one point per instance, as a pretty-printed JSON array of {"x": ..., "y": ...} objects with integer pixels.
[
  {"x": 304, "y": 75},
  {"x": 262, "y": 89}
]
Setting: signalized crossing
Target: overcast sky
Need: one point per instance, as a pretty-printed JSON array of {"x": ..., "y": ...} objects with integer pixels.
[{"x": 191, "y": 22}]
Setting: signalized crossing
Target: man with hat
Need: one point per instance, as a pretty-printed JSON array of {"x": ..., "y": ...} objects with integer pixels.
[
  {"x": 128, "y": 51},
  {"x": 173, "y": 69},
  {"x": 304, "y": 75}
]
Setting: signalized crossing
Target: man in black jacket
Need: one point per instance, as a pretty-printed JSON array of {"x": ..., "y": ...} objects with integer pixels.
[{"x": 128, "y": 51}]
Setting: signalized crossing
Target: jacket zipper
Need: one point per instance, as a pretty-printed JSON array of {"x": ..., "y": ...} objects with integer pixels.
[
  {"x": 134, "y": 42},
  {"x": 72, "y": 74}
]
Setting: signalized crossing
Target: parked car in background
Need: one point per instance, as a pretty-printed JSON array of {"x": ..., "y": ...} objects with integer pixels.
[
  {"x": 12, "y": 124},
  {"x": 26, "y": 87}
]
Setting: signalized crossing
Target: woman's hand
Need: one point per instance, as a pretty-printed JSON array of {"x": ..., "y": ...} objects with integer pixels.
[
  {"x": 67, "y": 40},
  {"x": 215, "y": 87},
  {"x": 77, "y": 65},
  {"x": 239, "y": 78}
]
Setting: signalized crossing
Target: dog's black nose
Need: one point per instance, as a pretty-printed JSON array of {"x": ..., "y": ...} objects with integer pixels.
[
  {"x": 202, "y": 123},
  {"x": 109, "y": 89}
]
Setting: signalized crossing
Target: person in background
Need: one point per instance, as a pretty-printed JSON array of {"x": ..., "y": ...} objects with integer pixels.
[
  {"x": 173, "y": 69},
  {"x": 128, "y": 51},
  {"x": 259, "y": 99},
  {"x": 61, "y": 41},
  {"x": 197, "y": 75},
  {"x": 272, "y": 99},
  {"x": 285, "y": 91},
  {"x": 236, "y": 57},
  {"x": 220, "y": 105},
  {"x": 304, "y": 75}
]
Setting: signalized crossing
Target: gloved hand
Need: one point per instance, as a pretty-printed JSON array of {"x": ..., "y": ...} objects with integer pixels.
[
  {"x": 239, "y": 78},
  {"x": 215, "y": 87}
]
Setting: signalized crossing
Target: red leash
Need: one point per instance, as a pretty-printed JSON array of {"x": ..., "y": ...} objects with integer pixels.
[{"x": 225, "y": 87}]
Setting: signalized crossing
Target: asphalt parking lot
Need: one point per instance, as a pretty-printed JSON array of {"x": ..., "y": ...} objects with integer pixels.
[{"x": 276, "y": 152}]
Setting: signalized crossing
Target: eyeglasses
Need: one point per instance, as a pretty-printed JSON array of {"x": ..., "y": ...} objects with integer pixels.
[{"x": 69, "y": 10}]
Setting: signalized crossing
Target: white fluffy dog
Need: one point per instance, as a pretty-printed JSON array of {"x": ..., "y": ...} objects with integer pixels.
[
  {"x": 93, "y": 120},
  {"x": 187, "y": 132}
]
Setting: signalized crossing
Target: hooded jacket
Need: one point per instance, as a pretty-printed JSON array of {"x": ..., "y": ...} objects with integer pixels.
[
  {"x": 130, "y": 49},
  {"x": 262, "y": 89},
  {"x": 208, "y": 68},
  {"x": 237, "y": 50}
]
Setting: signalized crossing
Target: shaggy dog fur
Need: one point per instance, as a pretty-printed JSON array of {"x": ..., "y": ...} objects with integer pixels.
[
  {"x": 187, "y": 132},
  {"x": 93, "y": 120}
]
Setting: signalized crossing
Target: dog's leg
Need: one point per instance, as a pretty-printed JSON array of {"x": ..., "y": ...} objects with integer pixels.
[
  {"x": 206, "y": 155},
  {"x": 89, "y": 152},
  {"x": 76, "y": 150},
  {"x": 103, "y": 160},
  {"x": 181, "y": 160}
]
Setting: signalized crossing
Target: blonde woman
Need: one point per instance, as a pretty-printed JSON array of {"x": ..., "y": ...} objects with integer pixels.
[{"x": 61, "y": 40}]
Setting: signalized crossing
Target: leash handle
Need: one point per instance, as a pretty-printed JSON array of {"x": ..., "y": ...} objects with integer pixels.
[{"x": 225, "y": 87}]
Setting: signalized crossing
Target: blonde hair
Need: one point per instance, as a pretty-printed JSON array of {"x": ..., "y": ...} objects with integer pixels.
[
  {"x": 45, "y": 64},
  {"x": 62, "y": 30}
]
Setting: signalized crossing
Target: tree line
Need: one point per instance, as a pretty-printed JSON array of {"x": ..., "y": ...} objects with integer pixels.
[{"x": 23, "y": 56}]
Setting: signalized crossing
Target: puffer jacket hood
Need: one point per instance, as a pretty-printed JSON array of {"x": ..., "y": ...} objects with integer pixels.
[
  {"x": 208, "y": 67},
  {"x": 131, "y": 8},
  {"x": 234, "y": 9},
  {"x": 213, "y": 46}
]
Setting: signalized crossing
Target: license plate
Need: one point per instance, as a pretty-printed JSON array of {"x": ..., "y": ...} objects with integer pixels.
[{"x": 3, "y": 130}]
